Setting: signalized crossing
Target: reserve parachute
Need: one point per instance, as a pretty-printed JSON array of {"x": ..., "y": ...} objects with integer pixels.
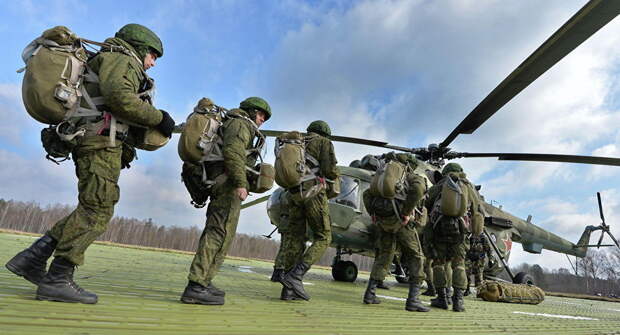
[{"x": 496, "y": 291}]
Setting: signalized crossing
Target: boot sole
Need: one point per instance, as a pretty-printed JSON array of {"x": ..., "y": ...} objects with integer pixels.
[
  {"x": 15, "y": 270},
  {"x": 45, "y": 298},
  {"x": 200, "y": 302},
  {"x": 302, "y": 295}
]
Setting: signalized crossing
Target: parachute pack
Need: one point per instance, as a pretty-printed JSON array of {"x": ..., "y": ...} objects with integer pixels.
[
  {"x": 388, "y": 184},
  {"x": 293, "y": 164},
  {"x": 54, "y": 93},
  {"x": 200, "y": 145},
  {"x": 496, "y": 291}
]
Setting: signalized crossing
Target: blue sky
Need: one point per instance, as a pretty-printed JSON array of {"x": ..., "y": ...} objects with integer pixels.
[{"x": 405, "y": 72}]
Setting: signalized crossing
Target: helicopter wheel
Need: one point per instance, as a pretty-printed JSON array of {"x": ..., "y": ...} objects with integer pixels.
[
  {"x": 523, "y": 278},
  {"x": 344, "y": 271}
]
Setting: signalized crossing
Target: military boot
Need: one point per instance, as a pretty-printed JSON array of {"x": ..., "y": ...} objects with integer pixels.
[
  {"x": 413, "y": 302},
  {"x": 430, "y": 291},
  {"x": 197, "y": 294},
  {"x": 457, "y": 300},
  {"x": 381, "y": 285},
  {"x": 30, "y": 263},
  {"x": 277, "y": 275},
  {"x": 370, "y": 296},
  {"x": 441, "y": 301},
  {"x": 294, "y": 280},
  {"x": 215, "y": 291},
  {"x": 58, "y": 284},
  {"x": 467, "y": 291},
  {"x": 288, "y": 294}
]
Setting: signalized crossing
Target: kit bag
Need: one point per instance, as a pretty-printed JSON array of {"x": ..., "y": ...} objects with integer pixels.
[
  {"x": 389, "y": 180},
  {"x": 291, "y": 165},
  {"x": 262, "y": 178},
  {"x": 496, "y": 291},
  {"x": 200, "y": 139},
  {"x": 453, "y": 197}
]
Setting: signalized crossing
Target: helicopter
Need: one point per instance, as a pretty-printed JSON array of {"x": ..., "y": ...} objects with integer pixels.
[{"x": 352, "y": 227}]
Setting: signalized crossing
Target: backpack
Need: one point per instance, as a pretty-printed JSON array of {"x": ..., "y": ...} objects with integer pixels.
[
  {"x": 54, "y": 93},
  {"x": 293, "y": 164},
  {"x": 200, "y": 139},
  {"x": 496, "y": 291},
  {"x": 390, "y": 181},
  {"x": 453, "y": 197}
]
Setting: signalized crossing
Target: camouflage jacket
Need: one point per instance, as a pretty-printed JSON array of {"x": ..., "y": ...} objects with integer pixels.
[
  {"x": 238, "y": 136},
  {"x": 479, "y": 248},
  {"x": 322, "y": 149},
  {"x": 121, "y": 78}
]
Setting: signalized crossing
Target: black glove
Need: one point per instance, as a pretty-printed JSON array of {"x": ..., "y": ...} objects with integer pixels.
[{"x": 166, "y": 126}]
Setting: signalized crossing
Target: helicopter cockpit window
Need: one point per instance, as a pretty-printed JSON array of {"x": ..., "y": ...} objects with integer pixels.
[{"x": 349, "y": 192}]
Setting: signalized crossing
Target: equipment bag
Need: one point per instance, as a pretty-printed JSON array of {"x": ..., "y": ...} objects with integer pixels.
[
  {"x": 453, "y": 197},
  {"x": 507, "y": 292},
  {"x": 293, "y": 165},
  {"x": 261, "y": 178},
  {"x": 200, "y": 140},
  {"x": 191, "y": 175},
  {"x": 389, "y": 180}
]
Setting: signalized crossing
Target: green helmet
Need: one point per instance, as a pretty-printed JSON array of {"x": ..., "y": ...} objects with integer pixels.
[
  {"x": 252, "y": 103},
  {"x": 320, "y": 127},
  {"x": 451, "y": 167},
  {"x": 141, "y": 38}
]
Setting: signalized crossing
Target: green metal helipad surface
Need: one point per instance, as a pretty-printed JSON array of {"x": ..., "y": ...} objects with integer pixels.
[{"x": 139, "y": 294}]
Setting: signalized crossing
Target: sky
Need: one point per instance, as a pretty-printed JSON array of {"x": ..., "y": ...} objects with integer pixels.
[{"x": 404, "y": 72}]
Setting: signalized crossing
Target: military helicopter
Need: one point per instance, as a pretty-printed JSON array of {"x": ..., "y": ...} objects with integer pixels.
[{"x": 352, "y": 228}]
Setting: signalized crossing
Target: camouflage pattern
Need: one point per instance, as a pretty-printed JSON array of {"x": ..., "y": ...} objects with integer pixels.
[
  {"x": 508, "y": 292},
  {"x": 477, "y": 257},
  {"x": 97, "y": 163},
  {"x": 97, "y": 168},
  {"x": 442, "y": 252},
  {"x": 224, "y": 206},
  {"x": 393, "y": 233},
  {"x": 141, "y": 38},
  {"x": 288, "y": 253},
  {"x": 310, "y": 213}
]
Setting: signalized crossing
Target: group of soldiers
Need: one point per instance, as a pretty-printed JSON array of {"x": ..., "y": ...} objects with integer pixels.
[{"x": 122, "y": 79}]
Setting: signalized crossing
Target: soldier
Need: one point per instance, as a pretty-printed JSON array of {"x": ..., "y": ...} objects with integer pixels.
[
  {"x": 309, "y": 212},
  {"x": 446, "y": 239},
  {"x": 398, "y": 229},
  {"x": 98, "y": 162},
  {"x": 476, "y": 257},
  {"x": 238, "y": 134}
]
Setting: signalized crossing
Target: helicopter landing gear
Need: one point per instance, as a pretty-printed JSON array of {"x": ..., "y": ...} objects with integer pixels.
[
  {"x": 343, "y": 270},
  {"x": 523, "y": 278}
]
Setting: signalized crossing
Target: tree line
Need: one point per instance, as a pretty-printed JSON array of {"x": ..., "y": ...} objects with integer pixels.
[
  {"x": 34, "y": 218},
  {"x": 597, "y": 273}
]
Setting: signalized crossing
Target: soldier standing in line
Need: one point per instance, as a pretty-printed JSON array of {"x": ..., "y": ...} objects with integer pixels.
[
  {"x": 238, "y": 134},
  {"x": 122, "y": 79},
  {"x": 309, "y": 212},
  {"x": 476, "y": 256},
  {"x": 398, "y": 229},
  {"x": 446, "y": 235}
]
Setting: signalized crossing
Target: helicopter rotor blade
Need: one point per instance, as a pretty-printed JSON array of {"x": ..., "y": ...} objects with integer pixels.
[
  {"x": 588, "y": 20},
  {"x": 346, "y": 139},
  {"x": 541, "y": 157},
  {"x": 600, "y": 207},
  {"x": 255, "y": 201}
]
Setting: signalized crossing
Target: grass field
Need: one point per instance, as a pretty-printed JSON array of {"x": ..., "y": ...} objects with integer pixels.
[{"x": 139, "y": 294}]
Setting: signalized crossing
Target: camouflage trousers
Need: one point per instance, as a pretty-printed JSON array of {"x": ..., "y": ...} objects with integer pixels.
[
  {"x": 444, "y": 253},
  {"x": 219, "y": 232},
  {"x": 285, "y": 260},
  {"x": 476, "y": 268},
  {"x": 97, "y": 168},
  {"x": 393, "y": 234},
  {"x": 304, "y": 214}
]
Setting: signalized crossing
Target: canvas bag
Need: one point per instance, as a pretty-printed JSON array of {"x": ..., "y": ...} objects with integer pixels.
[
  {"x": 291, "y": 168},
  {"x": 496, "y": 291}
]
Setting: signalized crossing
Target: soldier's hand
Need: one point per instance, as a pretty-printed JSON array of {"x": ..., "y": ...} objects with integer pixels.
[
  {"x": 242, "y": 193},
  {"x": 405, "y": 220},
  {"x": 166, "y": 126}
]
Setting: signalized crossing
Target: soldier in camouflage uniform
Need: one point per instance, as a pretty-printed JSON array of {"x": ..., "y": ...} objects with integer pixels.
[
  {"x": 476, "y": 259},
  {"x": 308, "y": 212},
  {"x": 444, "y": 248},
  {"x": 98, "y": 163},
  {"x": 238, "y": 132},
  {"x": 398, "y": 230}
]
